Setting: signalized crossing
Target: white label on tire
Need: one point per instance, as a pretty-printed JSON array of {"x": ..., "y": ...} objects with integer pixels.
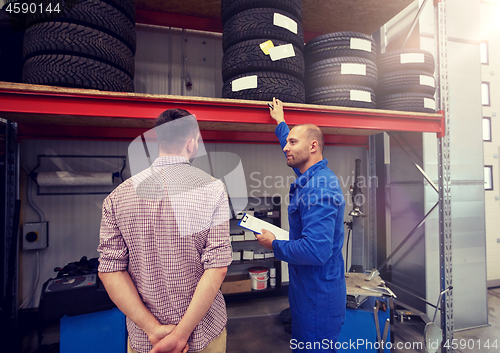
[
  {"x": 281, "y": 52},
  {"x": 427, "y": 81},
  {"x": 244, "y": 83},
  {"x": 285, "y": 22},
  {"x": 353, "y": 69},
  {"x": 408, "y": 58},
  {"x": 362, "y": 96},
  {"x": 361, "y": 44},
  {"x": 429, "y": 103}
]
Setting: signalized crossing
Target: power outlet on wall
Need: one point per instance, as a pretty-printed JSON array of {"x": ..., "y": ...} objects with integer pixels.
[{"x": 35, "y": 235}]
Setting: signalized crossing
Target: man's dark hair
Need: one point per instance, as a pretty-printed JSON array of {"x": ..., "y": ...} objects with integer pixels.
[{"x": 174, "y": 127}]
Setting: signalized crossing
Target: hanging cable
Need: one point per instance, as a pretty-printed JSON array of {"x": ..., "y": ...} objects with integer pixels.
[
  {"x": 42, "y": 219},
  {"x": 35, "y": 285},
  {"x": 349, "y": 226},
  {"x": 30, "y": 200}
]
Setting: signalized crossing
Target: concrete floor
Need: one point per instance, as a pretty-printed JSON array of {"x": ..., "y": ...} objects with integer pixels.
[{"x": 253, "y": 327}]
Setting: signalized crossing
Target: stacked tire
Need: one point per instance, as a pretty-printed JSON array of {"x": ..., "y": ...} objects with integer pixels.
[
  {"x": 86, "y": 44},
  {"x": 407, "y": 81},
  {"x": 341, "y": 70},
  {"x": 11, "y": 45},
  {"x": 263, "y": 44}
]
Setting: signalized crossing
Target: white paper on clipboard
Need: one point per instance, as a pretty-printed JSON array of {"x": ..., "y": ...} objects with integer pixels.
[{"x": 256, "y": 225}]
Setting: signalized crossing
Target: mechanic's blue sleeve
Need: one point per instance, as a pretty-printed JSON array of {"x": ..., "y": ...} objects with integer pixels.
[
  {"x": 315, "y": 245},
  {"x": 282, "y": 132}
]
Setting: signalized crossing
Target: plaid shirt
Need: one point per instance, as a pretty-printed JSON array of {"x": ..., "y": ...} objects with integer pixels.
[{"x": 165, "y": 226}]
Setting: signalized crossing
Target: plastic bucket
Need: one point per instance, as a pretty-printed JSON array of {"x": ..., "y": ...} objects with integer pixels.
[{"x": 259, "y": 277}]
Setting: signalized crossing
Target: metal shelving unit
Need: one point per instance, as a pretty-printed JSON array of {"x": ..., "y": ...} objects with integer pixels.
[
  {"x": 54, "y": 112},
  {"x": 60, "y": 113}
]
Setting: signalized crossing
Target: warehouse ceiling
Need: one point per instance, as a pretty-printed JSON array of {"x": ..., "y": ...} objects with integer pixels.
[{"x": 321, "y": 16}]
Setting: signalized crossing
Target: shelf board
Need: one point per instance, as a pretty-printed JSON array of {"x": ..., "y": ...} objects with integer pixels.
[
  {"x": 247, "y": 262},
  {"x": 365, "y": 16},
  {"x": 57, "y": 112}
]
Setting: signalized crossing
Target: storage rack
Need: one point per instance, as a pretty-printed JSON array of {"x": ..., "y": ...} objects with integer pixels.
[
  {"x": 51, "y": 112},
  {"x": 54, "y": 112},
  {"x": 260, "y": 205}
]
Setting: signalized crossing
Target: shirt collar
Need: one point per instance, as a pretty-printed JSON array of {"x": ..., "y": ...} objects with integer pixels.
[
  {"x": 169, "y": 160},
  {"x": 302, "y": 180}
]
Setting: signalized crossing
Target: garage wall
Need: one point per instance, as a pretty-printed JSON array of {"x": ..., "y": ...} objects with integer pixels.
[
  {"x": 167, "y": 59},
  {"x": 470, "y": 307},
  {"x": 490, "y": 72},
  {"x": 467, "y": 192},
  {"x": 74, "y": 219}
]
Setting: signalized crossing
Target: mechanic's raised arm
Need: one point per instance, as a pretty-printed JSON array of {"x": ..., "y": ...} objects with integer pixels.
[
  {"x": 282, "y": 130},
  {"x": 276, "y": 111}
]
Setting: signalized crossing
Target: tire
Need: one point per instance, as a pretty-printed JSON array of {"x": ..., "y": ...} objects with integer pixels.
[
  {"x": 76, "y": 72},
  {"x": 410, "y": 102},
  {"x": 10, "y": 22},
  {"x": 344, "y": 96},
  {"x": 247, "y": 56},
  {"x": 74, "y": 39},
  {"x": 91, "y": 13},
  {"x": 230, "y": 8},
  {"x": 330, "y": 72},
  {"x": 283, "y": 86},
  {"x": 258, "y": 23},
  {"x": 333, "y": 45},
  {"x": 11, "y": 47},
  {"x": 127, "y": 7},
  {"x": 406, "y": 82},
  {"x": 406, "y": 60}
]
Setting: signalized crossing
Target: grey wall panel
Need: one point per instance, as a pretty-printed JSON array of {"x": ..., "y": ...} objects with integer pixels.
[
  {"x": 406, "y": 204},
  {"x": 267, "y": 174},
  {"x": 466, "y": 146},
  {"x": 463, "y": 19},
  {"x": 469, "y": 256},
  {"x": 408, "y": 270},
  {"x": 74, "y": 219},
  {"x": 152, "y": 66},
  {"x": 400, "y": 25},
  {"x": 465, "y": 108},
  {"x": 491, "y": 34},
  {"x": 168, "y": 58},
  {"x": 203, "y": 64}
]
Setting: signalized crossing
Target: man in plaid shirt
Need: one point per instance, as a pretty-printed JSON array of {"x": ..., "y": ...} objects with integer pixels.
[{"x": 164, "y": 247}]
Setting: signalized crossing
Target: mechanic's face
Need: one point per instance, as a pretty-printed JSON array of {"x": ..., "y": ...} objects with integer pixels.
[{"x": 298, "y": 148}]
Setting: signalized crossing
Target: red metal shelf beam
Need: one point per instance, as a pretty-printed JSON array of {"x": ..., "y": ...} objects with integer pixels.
[
  {"x": 123, "y": 110},
  {"x": 31, "y": 131}
]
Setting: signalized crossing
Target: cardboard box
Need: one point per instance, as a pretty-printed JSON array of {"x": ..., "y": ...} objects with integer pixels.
[
  {"x": 236, "y": 284},
  {"x": 238, "y": 238},
  {"x": 236, "y": 255},
  {"x": 250, "y": 236},
  {"x": 247, "y": 254}
]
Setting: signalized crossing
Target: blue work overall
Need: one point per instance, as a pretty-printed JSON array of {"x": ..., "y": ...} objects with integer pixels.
[{"x": 317, "y": 291}]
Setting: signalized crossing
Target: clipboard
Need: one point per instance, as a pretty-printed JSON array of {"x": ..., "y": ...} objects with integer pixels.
[{"x": 256, "y": 225}]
